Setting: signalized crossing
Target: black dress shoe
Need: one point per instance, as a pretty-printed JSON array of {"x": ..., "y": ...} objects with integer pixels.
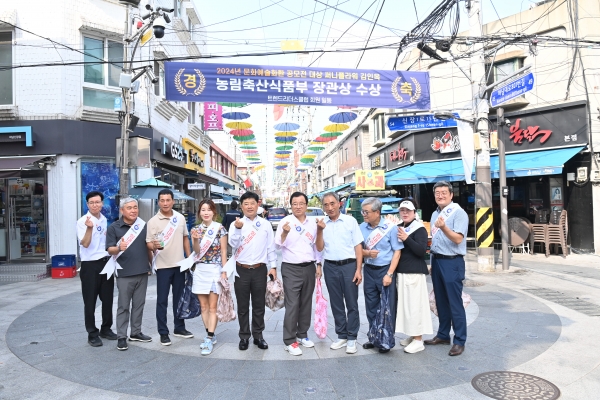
[
  {"x": 261, "y": 344},
  {"x": 244, "y": 344},
  {"x": 368, "y": 345},
  {"x": 109, "y": 334},
  {"x": 436, "y": 340},
  {"x": 384, "y": 350},
  {"x": 95, "y": 341},
  {"x": 456, "y": 350}
]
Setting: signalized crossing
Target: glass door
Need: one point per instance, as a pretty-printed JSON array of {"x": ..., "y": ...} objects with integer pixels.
[{"x": 27, "y": 222}]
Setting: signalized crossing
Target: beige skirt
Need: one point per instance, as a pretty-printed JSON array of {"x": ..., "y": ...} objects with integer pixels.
[
  {"x": 413, "y": 317},
  {"x": 206, "y": 279}
]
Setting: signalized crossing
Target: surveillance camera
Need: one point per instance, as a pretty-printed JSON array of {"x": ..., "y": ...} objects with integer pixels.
[
  {"x": 150, "y": 74},
  {"x": 148, "y": 7},
  {"x": 159, "y": 27},
  {"x": 507, "y": 122}
]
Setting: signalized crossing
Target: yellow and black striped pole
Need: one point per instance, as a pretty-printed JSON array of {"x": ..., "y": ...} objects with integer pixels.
[{"x": 484, "y": 227}]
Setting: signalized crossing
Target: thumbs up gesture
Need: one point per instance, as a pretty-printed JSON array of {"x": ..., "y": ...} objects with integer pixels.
[
  {"x": 320, "y": 224},
  {"x": 88, "y": 222},
  {"x": 238, "y": 223}
]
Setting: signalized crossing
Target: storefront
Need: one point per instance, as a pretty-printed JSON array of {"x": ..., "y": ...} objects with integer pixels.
[{"x": 543, "y": 146}]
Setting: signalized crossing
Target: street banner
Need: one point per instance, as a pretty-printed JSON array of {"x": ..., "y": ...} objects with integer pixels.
[
  {"x": 241, "y": 83},
  {"x": 369, "y": 179},
  {"x": 213, "y": 116}
]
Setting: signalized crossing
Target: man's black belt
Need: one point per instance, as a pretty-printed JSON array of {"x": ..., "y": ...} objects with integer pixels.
[
  {"x": 304, "y": 264},
  {"x": 342, "y": 262},
  {"x": 250, "y": 266},
  {"x": 100, "y": 259},
  {"x": 443, "y": 256},
  {"x": 372, "y": 266}
]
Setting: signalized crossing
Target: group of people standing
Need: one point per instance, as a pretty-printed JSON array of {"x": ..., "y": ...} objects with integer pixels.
[{"x": 334, "y": 246}]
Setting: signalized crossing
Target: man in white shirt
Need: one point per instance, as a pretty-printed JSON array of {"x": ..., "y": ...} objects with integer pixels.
[
  {"x": 91, "y": 233},
  {"x": 251, "y": 238}
]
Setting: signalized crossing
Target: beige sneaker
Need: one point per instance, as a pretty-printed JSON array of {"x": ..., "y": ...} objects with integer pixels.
[
  {"x": 338, "y": 344},
  {"x": 414, "y": 347},
  {"x": 407, "y": 341},
  {"x": 351, "y": 347}
]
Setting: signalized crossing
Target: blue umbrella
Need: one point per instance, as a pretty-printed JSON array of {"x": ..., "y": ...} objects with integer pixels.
[
  {"x": 151, "y": 192},
  {"x": 285, "y": 139},
  {"x": 342, "y": 117},
  {"x": 153, "y": 182},
  {"x": 287, "y": 126},
  {"x": 236, "y": 115},
  {"x": 282, "y": 152}
]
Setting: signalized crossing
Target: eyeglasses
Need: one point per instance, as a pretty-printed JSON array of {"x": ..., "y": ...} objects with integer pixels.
[
  {"x": 298, "y": 204},
  {"x": 366, "y": 212},
  {"x": 441, "y": 194},
  {"x": 94, "y": 203}
]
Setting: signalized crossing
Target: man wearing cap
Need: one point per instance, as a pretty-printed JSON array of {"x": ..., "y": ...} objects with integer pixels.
[
  {"x": 91, "y": 232},
  {"x": 381, "y": 253},
  {"x": 448, "y": 247},
  {"x": 341, "y": 244}
]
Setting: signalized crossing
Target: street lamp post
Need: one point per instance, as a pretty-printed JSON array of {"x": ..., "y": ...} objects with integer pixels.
[{"x": 503, "y": 189}]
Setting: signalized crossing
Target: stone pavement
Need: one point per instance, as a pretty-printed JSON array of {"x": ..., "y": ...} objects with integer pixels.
[{"x": 537, "y": 319}]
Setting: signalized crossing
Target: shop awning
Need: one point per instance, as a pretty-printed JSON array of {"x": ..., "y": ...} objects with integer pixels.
[
  {"x": 533, "y": 163},
  {"x": 449, "y": 170},
  {"x": 333, "y": 189},
  {"x": 225, "y": 185},
  {"x": 188, "y": 173},
  {"x": 16, "y": 163}
]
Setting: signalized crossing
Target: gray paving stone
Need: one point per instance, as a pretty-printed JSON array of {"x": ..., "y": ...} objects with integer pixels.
[
  {"x": 355, "y": 387},
  {"x": 260, "y": 390},
  {"x": 232, "y": 389},
  {"x": 312, "y": 388}
]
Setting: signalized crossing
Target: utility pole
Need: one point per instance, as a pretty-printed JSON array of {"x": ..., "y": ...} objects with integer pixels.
[
  {"x": 503, "y": 189},
  {"x": 126, "y": 91},
  {"x": 484, "y": 228}
]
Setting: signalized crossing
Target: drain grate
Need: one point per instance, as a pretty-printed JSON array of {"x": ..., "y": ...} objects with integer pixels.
[
  {"x": 576, "y": 304},
  {"x": 515, "y": 386}
]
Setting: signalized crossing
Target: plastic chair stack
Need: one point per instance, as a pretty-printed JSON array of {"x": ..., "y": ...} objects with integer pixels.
[{"x": 556, "y": 234}]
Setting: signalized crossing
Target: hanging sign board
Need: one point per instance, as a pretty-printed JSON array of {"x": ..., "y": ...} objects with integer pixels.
[
  {"x": 201, "y": 82},
  {"x": 514, "y": 89}
]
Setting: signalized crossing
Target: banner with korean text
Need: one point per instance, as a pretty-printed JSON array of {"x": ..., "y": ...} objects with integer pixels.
[
  {"x": 213, "y": 116},
  {"x": 366, "y": 179},
  {"x": 201, "y": 82}
]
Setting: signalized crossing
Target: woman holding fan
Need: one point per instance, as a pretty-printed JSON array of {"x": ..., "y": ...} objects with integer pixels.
[
  {"x": 209, "y": 240},
  {"x": 413, "y": 316}
]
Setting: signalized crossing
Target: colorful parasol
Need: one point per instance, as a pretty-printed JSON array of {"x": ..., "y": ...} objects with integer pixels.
[
  {"x": 313, "y": 156},
  {"x": 282, "y": 152},
  {"x": 307, "y": 160},
  {"x": 340, "y": 118},
  {"x": 258, "y": 168},
  {"x": 322, "y": 139},
  {"x": 287, "y": 126},
  {"x": 282, "y": 156},
  {"x": 316, "y": 148},
  {"x": 331, "y": 134},
  {"x": 285, "y": 139},
  {"x": 234, "y": 105},
  {"x": 284, "y": 147},
  {"x": 248, "y": 146},
  {"x": 286, "y": 134},
  {"x": 239, "y": 125},
  {"x": 241, "y": 132},
  {"x": 244, "y": 138},
  {"x": 336, "y": 127},
  {"x": 238, "y": 115}
]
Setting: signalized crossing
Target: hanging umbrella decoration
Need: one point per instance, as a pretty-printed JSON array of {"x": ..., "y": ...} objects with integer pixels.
[
  {"x": 342, "y": 117},
  {"x": 241, "y": 132},
  {"x": 237, "y": 115},
  {"x": 234, "y": 105}
]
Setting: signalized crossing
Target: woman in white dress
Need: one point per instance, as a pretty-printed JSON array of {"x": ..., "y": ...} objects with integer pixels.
[
  {"x": 413, "y": 317},
  {"x": 209, "y": 240}
]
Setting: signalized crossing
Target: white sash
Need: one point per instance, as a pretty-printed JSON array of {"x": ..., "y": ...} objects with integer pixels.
[
  {"x": 134, "y": 231},
  {"x": 378, "y": 233},
  {"x": 168, "y": 234},
  {"x": 444, "y": 214},
  {"x": 97, "y": 227},
  {"x": 305, "y": 234},
  {"x": 413, "y": 226},
  {"x": 205, "y": 243},
  {"x": 229, "y": 267}
]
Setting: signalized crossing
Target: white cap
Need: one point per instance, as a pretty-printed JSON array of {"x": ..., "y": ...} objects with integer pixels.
[
  {"x": 407, "y": 204},
  {"x": 260, "y": 210}
]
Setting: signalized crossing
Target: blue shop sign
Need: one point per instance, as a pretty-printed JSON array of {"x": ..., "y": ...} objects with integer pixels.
[{"x": 414, "y": 122}]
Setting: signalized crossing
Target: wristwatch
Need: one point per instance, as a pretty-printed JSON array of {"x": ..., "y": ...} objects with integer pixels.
[{"x": 390, "y": 275}]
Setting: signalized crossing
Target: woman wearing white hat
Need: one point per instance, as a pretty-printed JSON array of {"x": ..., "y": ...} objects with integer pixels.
[{"x": 413, "y": 317}]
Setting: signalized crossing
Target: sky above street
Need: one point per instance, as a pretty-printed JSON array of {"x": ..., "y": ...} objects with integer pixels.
[{"x": 258, "y": 26}]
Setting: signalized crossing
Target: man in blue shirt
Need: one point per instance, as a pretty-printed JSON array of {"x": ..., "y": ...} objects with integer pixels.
[
  {"x": 341, "y": 244},
  {"x": 449, "y": 224},
  {"x": 381, "y": 254}
]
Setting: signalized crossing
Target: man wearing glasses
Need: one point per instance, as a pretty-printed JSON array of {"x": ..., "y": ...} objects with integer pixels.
[
  {"x": 91, "y": 233},
  {"x": 296, "y": 236},
  {"x": 341, "y": 244},
  {"x": 448, "y": 247},
  {"x": 381, "y": 253}
]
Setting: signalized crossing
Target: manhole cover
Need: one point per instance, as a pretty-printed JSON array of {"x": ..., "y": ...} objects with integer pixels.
[
  {"x": 472, "y": 283},
  {"x": 514, "y": 385}
]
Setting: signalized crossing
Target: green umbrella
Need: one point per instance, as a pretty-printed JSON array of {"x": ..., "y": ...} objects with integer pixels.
[
  {"x": 244, "y": 138},
  {"x": 331, "y": 134},
  {"x": 247, "y": 147},
  {"x": 236, "y": 105},
  {"x": 285, "y": 147},
  {"x": 316, "y": 148},
  {"x": 307, "y": 160}
]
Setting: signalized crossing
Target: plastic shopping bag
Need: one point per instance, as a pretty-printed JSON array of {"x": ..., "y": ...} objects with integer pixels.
[
  {"x": 381, "y": 331},
  {"x": 189, "y": 305},
  {"x": 320, "y": 313},
  {"x": 466, "y": 299},
  {"x": 225, "y": 306},
  {"x": 274, "y": 298}
]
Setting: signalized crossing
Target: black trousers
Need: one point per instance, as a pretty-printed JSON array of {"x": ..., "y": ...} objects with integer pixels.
[
  {"x": 94, "y": 285},
  {"x": 251, "y": 283},
  {"x": 165, "y": 279}
]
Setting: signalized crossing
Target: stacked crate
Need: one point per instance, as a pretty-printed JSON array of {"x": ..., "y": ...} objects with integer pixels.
[{"x": 64, "y": 266}]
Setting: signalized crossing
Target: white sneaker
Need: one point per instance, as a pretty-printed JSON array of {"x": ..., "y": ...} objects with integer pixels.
[
  {"x": 414, "y": 347},
  {"x": 294, "y": 349},
  {"x": 407, "y": 341},
  {"x": 338, "y": 344},
  {"x": 306, "y": 342},
  {"x": 351, "y": 347}
]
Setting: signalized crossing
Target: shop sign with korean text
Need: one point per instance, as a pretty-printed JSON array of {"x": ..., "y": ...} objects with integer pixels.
[
  {"x": 514, "y": 89},
  {"x": 414, "y": 122},
  {"x": 366, "y": 179},
  {"x": 213, "y": 116},
  {"x": 201, "y": 82}
]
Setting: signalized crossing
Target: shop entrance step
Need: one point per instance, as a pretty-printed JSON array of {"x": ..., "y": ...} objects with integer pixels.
[{"x": 24, "y": 272}]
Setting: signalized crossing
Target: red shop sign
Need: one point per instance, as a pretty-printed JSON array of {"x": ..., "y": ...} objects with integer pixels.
[
  {"x": 517, "y": 134},
  {"x": 400, "y": 154}
]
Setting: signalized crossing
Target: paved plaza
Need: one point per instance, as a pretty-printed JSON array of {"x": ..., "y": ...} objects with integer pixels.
[{"x": 540, "y": 318}]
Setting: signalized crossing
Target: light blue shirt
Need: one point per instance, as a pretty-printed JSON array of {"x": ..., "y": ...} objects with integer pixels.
[
  {"x": 340, "y": 237},
  {"x": 459, "y": 223},
  {"x": 386, "y": 246}
]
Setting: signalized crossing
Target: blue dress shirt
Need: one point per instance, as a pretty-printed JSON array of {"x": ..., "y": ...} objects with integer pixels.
[
  {"x": 459, "y": 223},
  {"x": 340, "y": 237},
  {"x": 386, "y": 246}
]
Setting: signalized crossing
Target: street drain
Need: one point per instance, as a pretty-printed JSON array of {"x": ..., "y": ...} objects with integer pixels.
[
  {"x": 584, "y": 307},
  {"x": 515, "y": 386}
]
